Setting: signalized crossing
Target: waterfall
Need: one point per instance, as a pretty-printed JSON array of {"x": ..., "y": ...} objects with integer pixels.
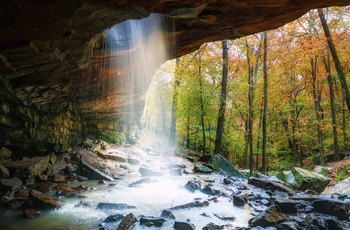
[{"x": 133, "y": 51}]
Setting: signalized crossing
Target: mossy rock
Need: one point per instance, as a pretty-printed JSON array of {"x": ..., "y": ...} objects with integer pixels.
[
  {"x": 309, "y": 180},
  {"x": 287, "y": 177}
]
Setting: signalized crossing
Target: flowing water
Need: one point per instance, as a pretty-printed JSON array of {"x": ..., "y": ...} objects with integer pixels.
[{"x": 149, "y": 199}]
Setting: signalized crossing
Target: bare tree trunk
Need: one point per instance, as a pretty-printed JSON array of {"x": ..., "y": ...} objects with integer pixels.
[
  {"x": 327, "y": 65},
  {"x": 317, "y": 102},
  {"x": 201, "y": 103},
  {"x": 265, "y": 108},
  {"x": 336, "y": 59},
  {"x": 221, "y": 117}
]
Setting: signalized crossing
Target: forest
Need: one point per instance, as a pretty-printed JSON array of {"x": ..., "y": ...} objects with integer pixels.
[{"x": 266, "y": 102}]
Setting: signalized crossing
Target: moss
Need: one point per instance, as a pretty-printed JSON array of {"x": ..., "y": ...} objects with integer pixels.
[
  {"x": 114, "y": 137},
  {"x": 343, "y": 172}
]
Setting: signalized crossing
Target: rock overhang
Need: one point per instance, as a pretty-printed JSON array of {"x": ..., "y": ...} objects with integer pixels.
[{"x": 46, "y": 47}]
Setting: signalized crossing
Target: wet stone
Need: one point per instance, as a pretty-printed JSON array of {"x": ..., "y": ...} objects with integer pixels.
[
  {"x": 140, "y": 182},
  {"x": 82, "y": 204},
  {"x": 238, "y": 200},
  {"x": 332, "y": 207},
  {"x": 202, "y": 169},
  {"x": 288, "y": 225},
  {"x": 114, "y": 218},
  {"x": 193, "y": 185},
  {"x": 212, "y": 226},
  {"x": 209, "y": 190},
  {"x": 30, "y": 213},
  {"x": 286, "y": 205},
  {"x": 118, "y": 206},
  {"x": 270, "y": 217},
  {"x": 184, "y": 225},
  {"x": 167, "y": 214},
  {"x": 152, "y": 221},
  {"x": 127, "y": 222},
  {"x": 195, "y": 204},
  {"x": 225, "y": 216},
  {"x": 148, "y": 172},
  {"x": 42, "y": 202}
]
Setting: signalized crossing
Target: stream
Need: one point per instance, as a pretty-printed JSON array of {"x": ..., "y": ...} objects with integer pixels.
[{"x": 150, "y": 199}]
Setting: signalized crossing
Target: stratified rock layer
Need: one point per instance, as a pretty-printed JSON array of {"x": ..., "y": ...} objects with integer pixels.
[{"x": 50, "y": 93}]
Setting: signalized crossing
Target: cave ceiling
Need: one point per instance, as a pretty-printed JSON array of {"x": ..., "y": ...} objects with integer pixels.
[{"x": 44, "y": 45}]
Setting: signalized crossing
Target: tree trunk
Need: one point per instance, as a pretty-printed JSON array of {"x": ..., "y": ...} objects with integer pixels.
[
  {"x": 264, "y": 120},
  {"x": 201, "y": 103},
  {"x": 221, "y": 117},
  {"x": 317, "y": 102},
  {"x": 336, "y": 59},
  {"x": 327, "y": 65}
]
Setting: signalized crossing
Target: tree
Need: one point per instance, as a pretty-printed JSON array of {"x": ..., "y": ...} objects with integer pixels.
[
  {"x": 265, "y": 107},
  {"x": 222, "y": 108},
  {"x": 336, "y": 59},
  {"x": 327, "y": 65}
]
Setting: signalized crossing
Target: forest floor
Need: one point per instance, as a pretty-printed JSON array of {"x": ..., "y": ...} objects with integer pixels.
[{"x": 334, "y": 167}]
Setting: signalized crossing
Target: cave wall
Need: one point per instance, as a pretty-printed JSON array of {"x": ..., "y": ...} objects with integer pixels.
[{"x": 50, "y": 94}]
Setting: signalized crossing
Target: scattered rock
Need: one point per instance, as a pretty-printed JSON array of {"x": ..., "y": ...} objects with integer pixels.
[
  {"x": 184, "y": 225},
  {"x": 152, "y": 221},
  {"x": 118, "y": 206},
  {"x": 332, "y": 207},
  {"x": 209, "y": 190},
  {"x": 30, "y": 168},
  {"x": 202, "y": 169},
  {"x": 288, "y": 225},
  {"x": 148, "y": 172},
  {"x": 128, "y": 221},
  {"x": 13, "y": 184},
  {"x": 40, "y": 201},
  {"x": 195, "y": 204},
  {"x": 238, "y": 200},
  {"x": 30, "y": 213},
  {"x": 140, "y": 182},
  {"x": 167, "y": 214},
  {"x": 212, "y": 226},
  {"x": 225, "y": 216},
  {"x": 193, "y": 185},
  {"x": 114, "y": 218},
  {"x": 85, "y": 169},
  {"x": 133, "y": 161},
  {"x": 270, "y": 217},
  {"x": 82, "y": 204},
  {"x": 4, "y": 172},
  {"x": 286, "y": 205}
]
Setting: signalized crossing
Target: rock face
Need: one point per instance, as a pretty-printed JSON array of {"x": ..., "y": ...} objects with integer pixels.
[{"x": 51, "y": 89}]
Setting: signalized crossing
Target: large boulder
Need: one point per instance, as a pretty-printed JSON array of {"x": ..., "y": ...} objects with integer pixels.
[
  {"x": 309, "y": 180},
  {"x": 226, "y": 167},
  {"x": 30, "y": 168},
  {"x": 342, "y": 187},
  {"x": 332, "y": 207}
]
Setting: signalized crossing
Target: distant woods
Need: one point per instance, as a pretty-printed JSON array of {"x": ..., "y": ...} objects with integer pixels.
[{"x": 268, "y": 101}]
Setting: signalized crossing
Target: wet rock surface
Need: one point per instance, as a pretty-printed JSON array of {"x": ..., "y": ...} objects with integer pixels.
[{"x": 219, "y": 200}]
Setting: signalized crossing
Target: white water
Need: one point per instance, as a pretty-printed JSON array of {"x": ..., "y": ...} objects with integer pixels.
[{"x": 149, "y": 199}]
